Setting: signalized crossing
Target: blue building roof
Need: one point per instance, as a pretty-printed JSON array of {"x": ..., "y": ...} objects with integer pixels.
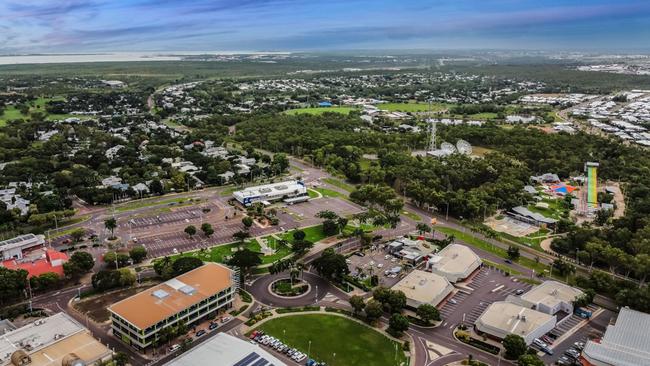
[{"x": 324, "y": 104}]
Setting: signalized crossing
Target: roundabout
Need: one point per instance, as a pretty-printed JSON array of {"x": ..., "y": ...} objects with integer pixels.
[
  {"x": 287, "y": 289},
  {"x": 262, "y": 291}
]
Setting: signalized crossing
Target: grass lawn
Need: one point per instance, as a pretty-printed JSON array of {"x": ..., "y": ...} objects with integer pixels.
[
  {"x": 413, "y": 106},
  {"x": 412, "y": 215},
  {"x": 329, "y": 193},
  {"x": 10, "y": 114},
  {"x": 468, "y": 238},
  {"x": 312, "y": 193},
  {"x": 312, "y": 234},
  {"x": 340, "y": 184},
  {"x": 319, "y": 111},
  {"x": 331, "y": 334}
]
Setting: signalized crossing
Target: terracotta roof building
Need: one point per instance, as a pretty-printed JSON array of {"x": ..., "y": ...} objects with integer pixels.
[{"x": 189, "y": 297}]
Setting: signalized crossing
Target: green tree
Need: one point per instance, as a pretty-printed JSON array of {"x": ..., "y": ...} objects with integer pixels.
[
  {"x": 327, "y": 214},
  {"x": 515, "y": 346},
  {"x": 190, "y": 230},
  {"x": 247, "y": 221},
  {"x": 45, "y": 281},
  {"x": 207, "y": 229},
  {"x": 299, "y": 235},
  {"x": 300, "y": 247},
  {"x": 120, "y": 359},
  {"x": 330, "y": 227},
  {"x": 513, "y": 252},
  {"x": 78, "y": 264},
  {"x": 77, "y": 234},
  {"x": 398, "y": 324},
  {"x": 357, "y": 304},
  {"x": 331, "y": 265},
  {"x": 138, "y": 253},
  {"x": 423, "y": 228},
  {"x": 529, "y": 359},
  {"x": 373, "y": 311},
  {"x": 185, "y": 264},
  {"x": 428, "y": 313},
  {"x": 110, "y": 225},
  {"x": 245, "y": 259},
  {"x": 241, "y": 235}
]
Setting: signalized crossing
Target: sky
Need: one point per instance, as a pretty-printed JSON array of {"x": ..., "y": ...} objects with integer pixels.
[{"x": 78, "y": 26}]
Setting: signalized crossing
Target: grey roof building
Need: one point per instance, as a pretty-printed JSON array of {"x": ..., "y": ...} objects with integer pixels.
[{"x": 626, "y": 343}]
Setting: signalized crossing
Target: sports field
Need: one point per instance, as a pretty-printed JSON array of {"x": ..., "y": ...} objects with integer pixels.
[
  {"x": 335, "y": 340},
  {"x": 412, "y": 107}
]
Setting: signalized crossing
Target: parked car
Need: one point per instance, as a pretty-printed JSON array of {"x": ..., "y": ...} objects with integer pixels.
[
  {"x": 225, "y": 319},
  {"x": 200, "y": 333},
  {"x": 519, "y": 292},
  {"x": 174, "y": 348}
]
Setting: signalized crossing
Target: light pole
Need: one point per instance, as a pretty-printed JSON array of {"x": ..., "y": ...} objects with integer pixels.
[{"x": 308, "y": 350}]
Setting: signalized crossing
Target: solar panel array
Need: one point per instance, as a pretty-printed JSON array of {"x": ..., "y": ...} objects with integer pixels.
[{"x": 253, "y": 359}]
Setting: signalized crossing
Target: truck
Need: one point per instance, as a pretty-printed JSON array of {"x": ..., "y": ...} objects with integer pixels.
[{"x": 583, "y": 313}]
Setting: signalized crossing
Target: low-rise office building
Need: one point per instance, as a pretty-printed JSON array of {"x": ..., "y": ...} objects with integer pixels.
[
  {"x": 226, "y": 350},
  {"x": 552, "y": 297},
  {"x": 270, "y": 192},
  {"x": 187, "y": 298},
  {"x": 421, "y": 287},
  {"x": 455, "y": 262},
  {"x": 502, "y": 318},
  {"x": 626, "y": 343},
  {"x": 14, "y": 248},
  {"x": 52, "y": 341}
]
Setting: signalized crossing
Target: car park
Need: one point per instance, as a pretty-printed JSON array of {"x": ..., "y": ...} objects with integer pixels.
[
  {"x": 519, "y": 292},
  {"x": 539, "y": 343}
]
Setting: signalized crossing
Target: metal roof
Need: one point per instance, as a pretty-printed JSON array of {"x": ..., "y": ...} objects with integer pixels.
[{"x": 626, "y": 343}]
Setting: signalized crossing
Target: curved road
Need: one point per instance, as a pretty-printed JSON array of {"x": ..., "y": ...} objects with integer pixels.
[{"x": 319, "y": 289}]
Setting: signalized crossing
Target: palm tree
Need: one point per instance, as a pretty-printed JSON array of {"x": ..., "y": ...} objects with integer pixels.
[{"x": 111, "y": 224}]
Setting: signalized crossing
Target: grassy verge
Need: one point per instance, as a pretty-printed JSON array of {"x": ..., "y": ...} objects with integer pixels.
[
  {"x": 481, "y": 244},
  {"x": 411, "y": 215},
  {"x": 153, "y": 202},
  {"x": 340, "y": 184},
  {"x": 328, "y": 193}
]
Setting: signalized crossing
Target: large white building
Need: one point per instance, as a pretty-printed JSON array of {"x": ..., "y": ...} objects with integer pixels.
[
  {"x": 226, "y": 350},
  {"x": 502, "y": 318},
  {"x": 626, "y": 343},
  {"x": 55, "y": 340},
  {"x": 13, "y": 248},
  {"x": 421, "y": 287},
  {"x": 455, "y": 262},
  {"x": 270, "y": 192},
  {"x": 552, "y": 297}
]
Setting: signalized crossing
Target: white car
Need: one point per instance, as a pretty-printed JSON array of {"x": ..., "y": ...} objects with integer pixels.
[{"x": 380, "y": 265}]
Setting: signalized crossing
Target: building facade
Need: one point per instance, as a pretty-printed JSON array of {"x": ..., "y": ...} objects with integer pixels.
[
  {"x": 270, "y": 192},
  {"x": 188, "y": 298}
]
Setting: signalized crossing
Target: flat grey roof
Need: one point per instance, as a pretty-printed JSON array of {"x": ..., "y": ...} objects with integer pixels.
[{"x": 226, "y": 350}]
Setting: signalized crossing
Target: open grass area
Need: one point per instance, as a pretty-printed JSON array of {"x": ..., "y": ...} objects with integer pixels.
[
  {"x": 339, "y": 184},
  {"x": 412, "y": 215},
  {"x": 219, "y": 253},
  {"x": 319, "y": 111},
  {"x": 335, "y": 340},
  {"x": 413, "y": 106},
  {"x": 468, "y": 238},
  {"x": 312, "y": 193},
  {"x": 312, "y": 234},
  {"x": 329, "y": 193}
]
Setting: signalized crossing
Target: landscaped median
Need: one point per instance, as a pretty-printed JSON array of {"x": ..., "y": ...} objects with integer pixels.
[
  {"x": 335, "y": 339},
  {"x": 482, "y": 244}
]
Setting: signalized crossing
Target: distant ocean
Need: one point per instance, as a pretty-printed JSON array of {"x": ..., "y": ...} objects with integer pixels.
[{"x": 110, "y": 57}]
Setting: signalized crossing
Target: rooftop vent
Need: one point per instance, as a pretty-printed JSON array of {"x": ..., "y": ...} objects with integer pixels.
[{"x": 160, "y": 294}]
